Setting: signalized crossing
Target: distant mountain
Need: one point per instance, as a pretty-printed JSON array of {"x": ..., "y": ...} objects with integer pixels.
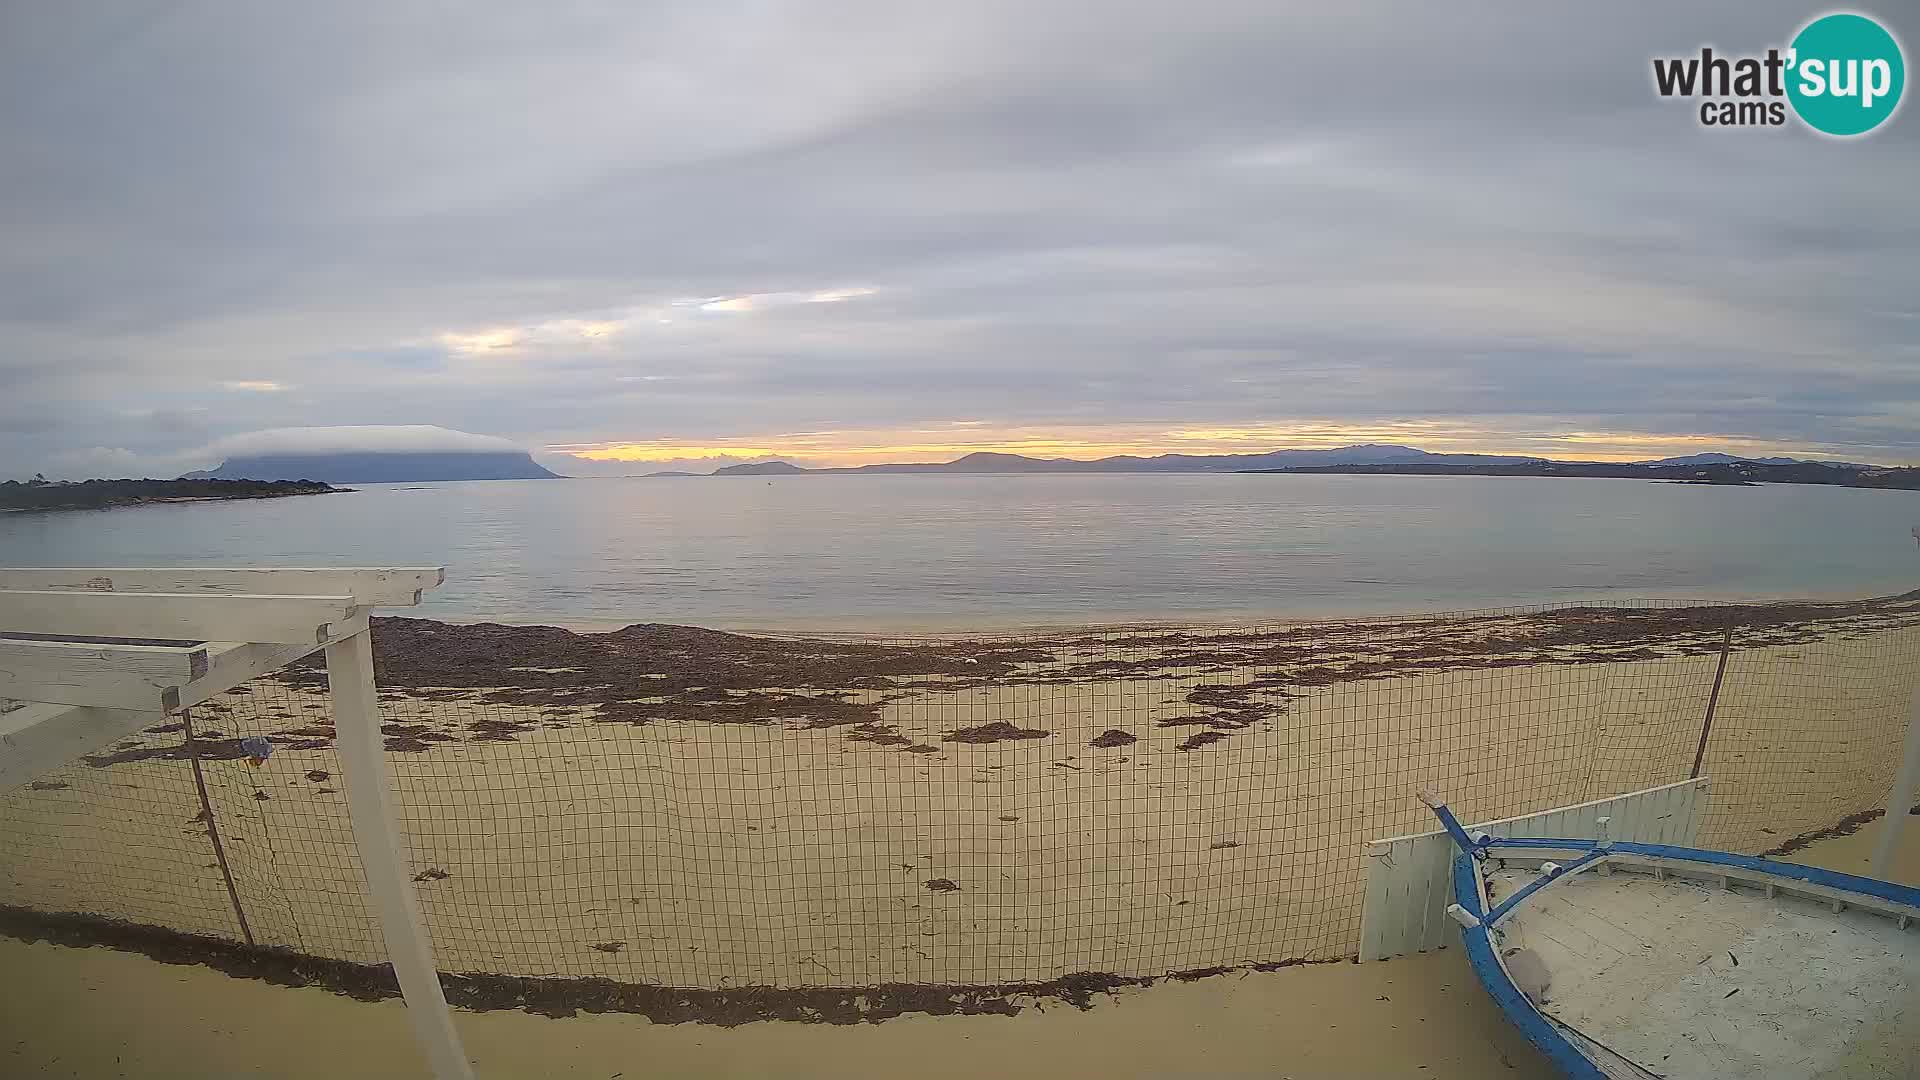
[
  {"x": 1394, "y": 459},
  {"x": 380, "y": 467},
  {"x": 1361, "y": 455},
  {"x": 1729, "y": 459},
  {"x": 763, "y": 468},
  {"x": 986, "y": 462}
]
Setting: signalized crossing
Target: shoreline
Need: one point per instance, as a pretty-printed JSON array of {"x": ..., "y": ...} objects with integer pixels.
[
  {"x": 881, "y": 628},
  {"x": 43, "y": 497}
]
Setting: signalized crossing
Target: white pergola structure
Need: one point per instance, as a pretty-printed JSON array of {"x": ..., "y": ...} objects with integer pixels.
[{"x": 65, "y": 654}]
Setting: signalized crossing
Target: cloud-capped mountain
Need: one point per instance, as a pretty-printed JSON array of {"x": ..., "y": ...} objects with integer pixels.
[{"x": 369, "y": 455}]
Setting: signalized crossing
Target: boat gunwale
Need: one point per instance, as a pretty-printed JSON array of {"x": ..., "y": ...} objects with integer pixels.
[{"x": 1546, "y": 1035}]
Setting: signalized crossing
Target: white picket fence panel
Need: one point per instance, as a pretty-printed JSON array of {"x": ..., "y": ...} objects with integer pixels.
[{"x": 1409, "y": 878}]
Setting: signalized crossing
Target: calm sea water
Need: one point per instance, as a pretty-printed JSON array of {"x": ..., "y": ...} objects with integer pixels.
[{"x": 848, "y": 552}]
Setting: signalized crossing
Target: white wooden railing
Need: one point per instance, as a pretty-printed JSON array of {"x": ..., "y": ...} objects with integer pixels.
[{"x": 67, "y": 651}]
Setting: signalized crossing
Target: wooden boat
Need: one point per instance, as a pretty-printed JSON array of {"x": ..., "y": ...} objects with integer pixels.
[{"x": 1631, "y": 961}]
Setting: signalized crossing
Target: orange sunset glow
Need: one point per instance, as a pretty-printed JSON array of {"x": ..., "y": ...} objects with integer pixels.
[{"x": 944, "y": 442}]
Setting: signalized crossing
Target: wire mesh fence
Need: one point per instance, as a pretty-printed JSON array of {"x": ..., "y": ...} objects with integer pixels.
[{"x": 684, "y": 808}]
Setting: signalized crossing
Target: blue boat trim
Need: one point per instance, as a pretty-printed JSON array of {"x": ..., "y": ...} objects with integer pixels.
[
  {"x": 1500, "y": 910},
  {"x": 1520, "y": 1011},
  {"x": 1454, "y": 828},
  {"x": 1813, "y": 875}
]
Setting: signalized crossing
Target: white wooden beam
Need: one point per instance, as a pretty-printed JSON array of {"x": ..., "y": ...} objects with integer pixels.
[
  {"x": 189, "y": 617},
  {"x": 135, "y": 676},
  {"x": 229, "y": 667},
  {"x": 37, "y": 739},
  {"x": 369, "y": 586},
  {"x": 363, "y": 763},
  {"x": 114, "y": 676},
  {"x": 178, "y": 662},
  {"x": 42, "y": 736}
]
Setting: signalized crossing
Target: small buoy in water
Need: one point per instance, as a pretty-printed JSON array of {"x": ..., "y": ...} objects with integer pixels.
[{"x": 258, "y": 750}]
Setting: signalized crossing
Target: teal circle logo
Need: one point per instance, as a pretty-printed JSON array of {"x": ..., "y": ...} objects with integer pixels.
[{"x": 1845, "y": 75}]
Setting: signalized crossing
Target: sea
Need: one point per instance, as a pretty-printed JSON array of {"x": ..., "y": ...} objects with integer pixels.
[{"x": 886, "y": 554}]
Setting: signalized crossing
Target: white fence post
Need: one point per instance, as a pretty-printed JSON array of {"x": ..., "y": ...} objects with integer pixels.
[
  {"x": 1900, "y": 802},
  {"x": 363, "y": 759}
]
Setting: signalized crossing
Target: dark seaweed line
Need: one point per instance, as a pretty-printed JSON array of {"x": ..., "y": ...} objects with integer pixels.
[
  {"x": 717, "y": 677},
  {"x": 563, "y": 997},
  {"x": 1846, "y": 826}
]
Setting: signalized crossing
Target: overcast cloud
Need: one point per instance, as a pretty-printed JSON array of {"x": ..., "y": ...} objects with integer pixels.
[{"x": 839, "y": 232}]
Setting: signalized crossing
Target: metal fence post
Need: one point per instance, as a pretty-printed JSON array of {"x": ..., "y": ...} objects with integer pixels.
[
  {"x": 363, "y": 760},
  {"x": 192, "y": 748},
  {"x": 1713, "y": 702},
  {"x": 1900, "y": 802}
]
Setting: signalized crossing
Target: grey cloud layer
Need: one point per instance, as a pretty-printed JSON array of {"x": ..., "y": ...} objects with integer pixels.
[{"x": 223, "y": 218}]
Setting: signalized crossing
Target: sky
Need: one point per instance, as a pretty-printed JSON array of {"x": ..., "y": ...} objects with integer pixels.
[{"x": 638, "y": 237}]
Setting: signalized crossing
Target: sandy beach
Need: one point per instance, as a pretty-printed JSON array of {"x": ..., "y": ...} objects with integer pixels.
[{"x": 1011, "y": 821}]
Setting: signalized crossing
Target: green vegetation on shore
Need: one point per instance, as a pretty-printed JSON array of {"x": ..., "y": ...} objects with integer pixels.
[{"x": 38, "y": 494}]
